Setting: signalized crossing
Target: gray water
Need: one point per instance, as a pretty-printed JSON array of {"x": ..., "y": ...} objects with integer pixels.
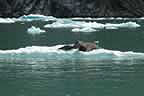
[{"x": 70, "y": 74}]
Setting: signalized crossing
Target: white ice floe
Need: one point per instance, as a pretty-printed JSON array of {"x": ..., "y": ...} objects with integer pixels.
[
  {"x": 83, "y": 26},
  {"x": 68, "y": 23},
  {"x": 34, "y": 17},
  {"x": 107, "y": 18},
  {"x": 35, "y": 30},
  {"x": 27, "y": 18},
  {"x": 86, "y": 29},
  {"x": 54, "y": 53},
  {"x": 6, "y": 20},
  {"x": 122, "y": 25},
  {"x": 63, "y": 23}
]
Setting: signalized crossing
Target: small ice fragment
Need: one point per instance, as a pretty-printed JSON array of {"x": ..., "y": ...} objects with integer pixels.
[
  {"x": 86, "y": 29},
  {"x": 35, "y": 30}
]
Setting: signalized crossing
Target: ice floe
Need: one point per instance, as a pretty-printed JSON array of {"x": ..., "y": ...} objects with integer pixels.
[
  {"x": 63, "y": 23},
  {"x": 68, "y": 23},
  {"x": 34, "y": 17},
  {"x": 35, "y": 30},
  {"x": 54, "y": 53},
  {"x": 122, "y": 25},
  {"x": 83, "y": 26},
  {"x": 6, "y": 20},
  {"x": 28, "y": 18},
  {"x": 86, "y": 29},
  {"x": 107, "y": 18}
]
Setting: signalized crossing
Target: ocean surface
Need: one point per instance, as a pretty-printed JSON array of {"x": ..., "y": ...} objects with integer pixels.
[{"x": 32, "y": 65}]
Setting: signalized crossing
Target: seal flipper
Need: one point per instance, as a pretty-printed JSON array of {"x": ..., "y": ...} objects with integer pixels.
[{"x": 66, "y": 48}]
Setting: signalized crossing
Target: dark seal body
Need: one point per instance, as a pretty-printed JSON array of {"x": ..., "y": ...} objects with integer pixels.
[
  {"x": 66, "y": 48},
  {"x": 81, "y": 46},
  {"x": 87, "y": 46}
]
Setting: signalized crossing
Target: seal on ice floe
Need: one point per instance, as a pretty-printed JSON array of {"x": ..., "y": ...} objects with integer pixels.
[{"x": 81, "y": 46}]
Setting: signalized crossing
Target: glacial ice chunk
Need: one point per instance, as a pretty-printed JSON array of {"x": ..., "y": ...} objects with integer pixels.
[
  {"x": 6, "y": 20},
  {"x": 85, "y": 29},
  {"x": 62, "y": 23},
  {"x": 122, "y": 25},
  {"x": 34, "y": 17},
  {"x": 68, "y": 23},
  {"x": 34, "y": 30}
]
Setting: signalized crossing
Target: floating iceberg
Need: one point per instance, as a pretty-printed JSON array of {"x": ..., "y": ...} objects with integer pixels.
[
  {"x": 34, "y": 17},
  {"x": 34, "y": 30},
  {"x": 6, "y": 20}
]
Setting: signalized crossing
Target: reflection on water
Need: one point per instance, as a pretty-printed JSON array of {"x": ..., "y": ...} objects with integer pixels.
[{"x": 71, "y": 78}]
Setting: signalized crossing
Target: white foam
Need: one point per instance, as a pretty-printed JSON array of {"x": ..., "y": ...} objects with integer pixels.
[
  {"x": 6, "y": 20},
  {"x": 54, "y": 53},
  {"x": 35, "y": 30}
]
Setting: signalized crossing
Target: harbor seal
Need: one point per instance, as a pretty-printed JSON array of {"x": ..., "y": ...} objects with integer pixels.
[{"x": 81, "y": 46}]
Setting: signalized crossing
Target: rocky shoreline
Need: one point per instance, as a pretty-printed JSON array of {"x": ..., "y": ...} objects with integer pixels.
[{"x": 73, "y": 8}]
